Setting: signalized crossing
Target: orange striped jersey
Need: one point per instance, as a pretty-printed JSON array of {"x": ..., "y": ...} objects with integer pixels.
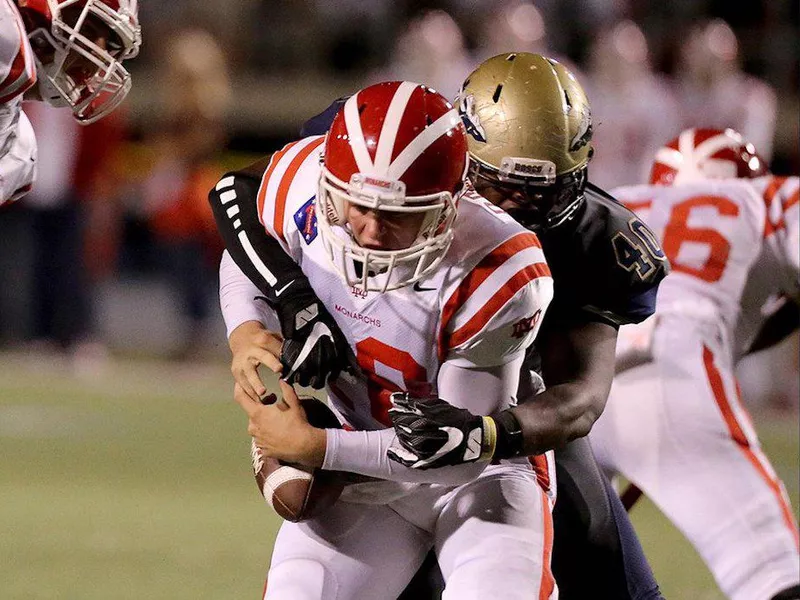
[
  {"x": 713, "y": 233},
  {"x": 480, "y": 308}
]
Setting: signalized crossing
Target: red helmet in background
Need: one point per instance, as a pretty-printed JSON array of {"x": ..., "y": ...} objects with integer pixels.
[
  {"x": 398, "y": 147},
  {"x": 698, "y": 154},
  {"x": 79, "y": 47}
]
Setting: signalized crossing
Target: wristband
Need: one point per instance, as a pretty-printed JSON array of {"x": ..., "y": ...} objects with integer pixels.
[
  {"x": 509, "y": 435},
  {"x": 489, "y": 439}
]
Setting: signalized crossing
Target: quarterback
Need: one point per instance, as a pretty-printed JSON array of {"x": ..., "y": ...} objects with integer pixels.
[
  {"x": 431, "y": 289},
  {"x": 68, "y": 53},
  {"x": 675, "y": 425}
]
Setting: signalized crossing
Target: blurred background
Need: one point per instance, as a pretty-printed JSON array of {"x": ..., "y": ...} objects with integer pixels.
[{"x": 109, "y": 268}]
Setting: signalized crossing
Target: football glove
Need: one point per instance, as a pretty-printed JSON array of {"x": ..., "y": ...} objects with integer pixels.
[
  {"x": 432, "y": 433},
  {"x": 314, "y": 348}
]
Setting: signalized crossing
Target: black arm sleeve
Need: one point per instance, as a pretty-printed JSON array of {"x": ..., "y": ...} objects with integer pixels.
[{"x": 260, "y": 256}]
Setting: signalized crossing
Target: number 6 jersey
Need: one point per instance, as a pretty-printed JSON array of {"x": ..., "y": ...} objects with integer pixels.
[{"x": 713, "y": 232}]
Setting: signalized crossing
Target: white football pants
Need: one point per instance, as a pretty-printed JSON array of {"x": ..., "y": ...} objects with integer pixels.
[
  {"x": 493, "y": 538},
  {"x": 677, "y": 428}
]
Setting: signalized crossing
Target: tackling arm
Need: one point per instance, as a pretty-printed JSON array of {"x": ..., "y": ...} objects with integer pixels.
[
  {"x": 369, "y": 452},
  {"x": 578, "y": 367}
]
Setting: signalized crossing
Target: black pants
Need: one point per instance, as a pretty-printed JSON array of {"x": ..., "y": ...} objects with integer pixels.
[{"x": 596, "y": 553}]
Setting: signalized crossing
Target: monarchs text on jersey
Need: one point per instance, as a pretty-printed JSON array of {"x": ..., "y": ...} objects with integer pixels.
[{"x": 480, "y": 308}]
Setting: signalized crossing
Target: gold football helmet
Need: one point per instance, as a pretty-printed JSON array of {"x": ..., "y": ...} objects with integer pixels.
[{"x": 530, "y": 128}]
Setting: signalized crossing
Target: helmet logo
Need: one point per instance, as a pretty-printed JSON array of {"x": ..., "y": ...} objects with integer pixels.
[
  {"x": 466, "y": 108},
  {"x": 584, "y": 133}
]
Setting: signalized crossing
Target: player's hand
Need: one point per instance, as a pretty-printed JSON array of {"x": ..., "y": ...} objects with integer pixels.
[
  {"x": 432, "y": 433},
  {"x": 280, "y": 428},
  {"x": 251, "y": 346},
  {"x": 314, "y": 348}
]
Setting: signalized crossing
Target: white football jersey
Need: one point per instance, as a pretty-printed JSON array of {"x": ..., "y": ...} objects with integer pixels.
[
  {"x": 713, "y": 232},
  {"x": 480, "y": 308},
  {"x": 17, "y": 74}
]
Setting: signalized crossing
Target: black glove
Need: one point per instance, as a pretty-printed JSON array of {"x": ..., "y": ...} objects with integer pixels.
[
  {"x": 433, "y": 433},
  {"x": 314, "y": 348}
]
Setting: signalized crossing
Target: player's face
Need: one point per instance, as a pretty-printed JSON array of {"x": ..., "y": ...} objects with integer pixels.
[
  {"x": 383, "y": 230},
  {"x": 527, "y": 204}
]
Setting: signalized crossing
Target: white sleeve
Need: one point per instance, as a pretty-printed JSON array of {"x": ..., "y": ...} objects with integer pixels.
[
  {"x": 17, "y": 152},
  {"x": 364, "y": 452},
  {"x": 237, "y": 298}
]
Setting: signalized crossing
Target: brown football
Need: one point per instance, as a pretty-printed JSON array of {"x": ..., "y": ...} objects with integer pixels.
[{"x": 296, "y": 492}]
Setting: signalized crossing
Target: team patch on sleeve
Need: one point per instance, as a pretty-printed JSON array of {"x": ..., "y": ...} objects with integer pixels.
[{"x": 306, "y": 220}]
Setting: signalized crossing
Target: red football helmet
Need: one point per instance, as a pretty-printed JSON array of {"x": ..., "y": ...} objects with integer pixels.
[
  {"x": 397, "y": 147},
  {"x": 79, "y": 47},
  {"x": 698, "y": 154}
]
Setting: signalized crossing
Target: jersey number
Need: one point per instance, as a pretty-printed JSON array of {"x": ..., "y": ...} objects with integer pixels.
[
  {"x": 371, "y": 351},
  {"x": 678, "y": 232},
  {"x": 637, "y": 255}
]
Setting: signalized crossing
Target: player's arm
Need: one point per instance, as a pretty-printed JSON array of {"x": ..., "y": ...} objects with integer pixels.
[
  {"x": 782, "y": 321},
  {"x": 282, "y": 431},
  {"x": 782, "y": 238},
  {"x": 314, "y": 348},
  {"x": 578, "y": 366}
]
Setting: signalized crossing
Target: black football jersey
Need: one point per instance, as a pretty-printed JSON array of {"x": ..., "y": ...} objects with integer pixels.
[{"x": 606, "y": 263}]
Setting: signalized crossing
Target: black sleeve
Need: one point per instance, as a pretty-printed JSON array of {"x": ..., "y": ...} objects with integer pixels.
[{"x": 260, "y": 256}]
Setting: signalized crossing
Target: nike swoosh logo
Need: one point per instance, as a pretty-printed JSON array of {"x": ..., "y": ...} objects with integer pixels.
[
  {"x": 454, "y": 437},
  {"x": 319, "y": 331},
  {"x": 283, "y": 289},
  {"x": 419, "y": 288}
]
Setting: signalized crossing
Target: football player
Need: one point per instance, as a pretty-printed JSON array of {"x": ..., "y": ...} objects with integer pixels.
[
  {"x": 433, "y": 290},
  {"x": 675, "y": 424},
  {"x": 530, "y": 128},
  {"x": 68, "y": 53},
  {"x": 541, "y": 180}
]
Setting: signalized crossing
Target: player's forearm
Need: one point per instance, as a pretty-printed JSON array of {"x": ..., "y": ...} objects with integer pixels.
[
  {"x": 559, "y": 415},
  {"x": 260, "y": 256},
  {"x": 237, "y": 297},
  {"x": 364, "y": 453}
]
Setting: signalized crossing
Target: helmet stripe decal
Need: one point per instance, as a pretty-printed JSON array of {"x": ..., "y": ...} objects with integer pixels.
[
  {"x": 686, "y": 144},
  {"x": 670, "y": 157},
  {"x": 419, "y": 144},
  {"x": 391, "y": 125},
  {"x": 713, "y": 145},
  {"x": 352, "y": 121}
]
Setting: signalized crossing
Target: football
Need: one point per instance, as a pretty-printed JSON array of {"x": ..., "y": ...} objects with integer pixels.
[{"x": 296, "y": 492}]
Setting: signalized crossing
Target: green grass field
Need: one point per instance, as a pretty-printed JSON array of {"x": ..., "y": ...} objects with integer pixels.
[{"x": 137, "y": 485}]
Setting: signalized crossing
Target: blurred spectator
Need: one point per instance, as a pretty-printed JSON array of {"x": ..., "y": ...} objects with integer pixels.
[
  {"x": 430, "y": 50},
  {"x": 191, "y": 133},
  {"x": 515, "y": 26},
  {"x": 633, "y": 109},
  {"x": 714, "y": 91},
  {"x": 72, "y": 180}
]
